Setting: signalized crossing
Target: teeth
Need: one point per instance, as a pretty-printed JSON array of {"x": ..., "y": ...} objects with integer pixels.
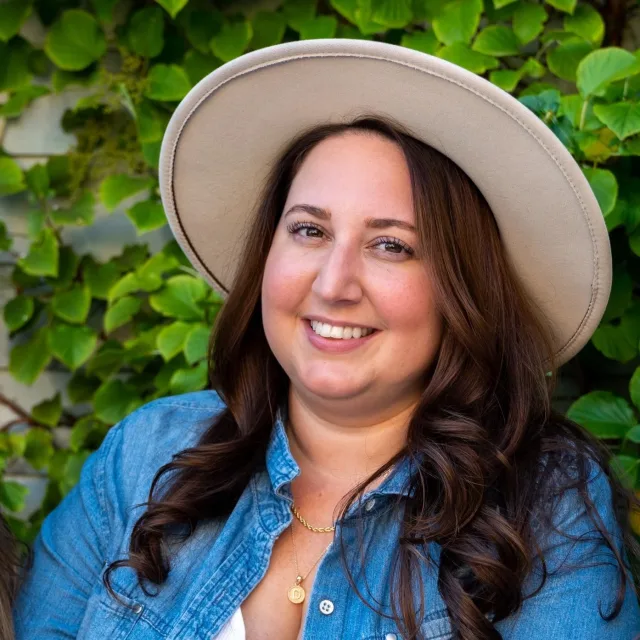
[{"x": 339, "y": 333}]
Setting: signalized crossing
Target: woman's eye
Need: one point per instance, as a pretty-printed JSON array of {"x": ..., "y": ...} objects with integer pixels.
[{"x": 396, "y": 246}]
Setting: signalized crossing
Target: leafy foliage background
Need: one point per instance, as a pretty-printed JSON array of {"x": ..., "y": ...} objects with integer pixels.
[{"x": 136, "y": 327}]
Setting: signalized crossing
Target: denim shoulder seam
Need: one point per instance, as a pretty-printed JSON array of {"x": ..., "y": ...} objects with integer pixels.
[{"x": 115, "y": 431}]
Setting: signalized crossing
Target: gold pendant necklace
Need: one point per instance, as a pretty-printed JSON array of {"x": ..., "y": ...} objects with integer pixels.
[{"x": 296, "y": 593}]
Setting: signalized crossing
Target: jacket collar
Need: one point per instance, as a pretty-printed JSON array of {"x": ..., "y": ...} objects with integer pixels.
[{"x": 282, "y": 467}]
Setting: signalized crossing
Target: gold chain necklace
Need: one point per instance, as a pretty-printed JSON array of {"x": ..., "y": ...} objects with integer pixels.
[{"x": 296, "y": 593}]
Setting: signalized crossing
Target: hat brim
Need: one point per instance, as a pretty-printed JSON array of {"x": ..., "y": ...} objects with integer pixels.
[{"x": 224, "y": 136}]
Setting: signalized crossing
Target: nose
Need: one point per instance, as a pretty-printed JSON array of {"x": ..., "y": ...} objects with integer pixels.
[{"x": 338, "y": 277}]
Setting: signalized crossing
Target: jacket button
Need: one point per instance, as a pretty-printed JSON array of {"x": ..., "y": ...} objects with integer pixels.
[
  {"x": 326, "y": 607},
  {"x": 368, "y": 507},
  {"x": 137, "y": 608},
  {"x": 391, "y": 636}
]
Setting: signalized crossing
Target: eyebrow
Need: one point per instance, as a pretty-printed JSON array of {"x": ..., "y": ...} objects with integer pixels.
[{"x": 370, "y": 223}]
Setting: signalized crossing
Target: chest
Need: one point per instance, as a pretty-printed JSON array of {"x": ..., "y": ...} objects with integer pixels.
[{"x": 268, "y": 613}]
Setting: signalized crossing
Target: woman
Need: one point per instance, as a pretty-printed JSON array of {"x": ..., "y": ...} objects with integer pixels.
[{"x": 377, "y": 456}]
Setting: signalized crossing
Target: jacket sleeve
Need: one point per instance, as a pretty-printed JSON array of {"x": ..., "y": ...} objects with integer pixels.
[
  {"x": 582, "y": 578},
  {"x": 71, "y": 549}
]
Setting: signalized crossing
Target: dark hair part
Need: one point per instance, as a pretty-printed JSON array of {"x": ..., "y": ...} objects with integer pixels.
[{"x": 484, "y": 424}]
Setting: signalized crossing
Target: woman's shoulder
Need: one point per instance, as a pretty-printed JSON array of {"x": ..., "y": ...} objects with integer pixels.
[
  {"x": 137, "y": 446},
  {"x": 170, "y": 423}
]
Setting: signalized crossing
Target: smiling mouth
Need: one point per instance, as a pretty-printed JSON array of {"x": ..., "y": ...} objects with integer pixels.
[{"x": 339, "y": 333}]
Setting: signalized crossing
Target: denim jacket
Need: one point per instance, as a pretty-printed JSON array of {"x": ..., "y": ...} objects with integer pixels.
[{"x": 212, "y": 573}]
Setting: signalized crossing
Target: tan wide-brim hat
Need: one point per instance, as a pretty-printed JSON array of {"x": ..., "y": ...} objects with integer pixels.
[{"x": 227, "y": 132}]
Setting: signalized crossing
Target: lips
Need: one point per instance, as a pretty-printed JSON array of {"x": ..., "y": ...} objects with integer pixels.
[{"x": 336, "y": 345}]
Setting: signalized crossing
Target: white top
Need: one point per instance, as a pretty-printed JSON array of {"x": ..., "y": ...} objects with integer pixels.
[{"x": 234, "y": 628}]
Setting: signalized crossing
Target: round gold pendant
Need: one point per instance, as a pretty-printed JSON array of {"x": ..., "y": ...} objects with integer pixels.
[{"x": 296, "y": 594}]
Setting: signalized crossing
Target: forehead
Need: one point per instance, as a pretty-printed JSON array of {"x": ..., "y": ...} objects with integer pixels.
[{"x": 354, "y": 172}]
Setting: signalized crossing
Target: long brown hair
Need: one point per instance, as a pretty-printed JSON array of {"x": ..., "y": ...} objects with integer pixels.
[{"x": 484, "y": 423}]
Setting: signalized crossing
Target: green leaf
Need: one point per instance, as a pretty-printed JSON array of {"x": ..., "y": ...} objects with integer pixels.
[
  {"x": 28, "y": 360},
  {"x": 18, "y": 311},
  {"x": 605, "y": 187},
  {"x": 107, "y": 360},
  {"x": 163, "y": 378},
  {"x": 38, "y": 180},
  {"x": 72, "y": 345},
  {"x": 196, "y": 344},
  {"x": 43, "y": 256},
  {"x": 146, "y": 32},
  {"x": 180, "y": 297},
  {"x": 603, "y": 413},
  {"x": 14, "y": 64},
  {"x": 81, "y": 387},
  {"x": 72, "y": 469},
  {"x": 319, "y": 27},
  {"x": 114, "y": 401},
  {"x": 626, "y": 469},
  {"x": 116, "y": 188},
  {"x": 497, "y": 40},
  {"x": 104, "y": 9},
  {"x": 21, "y": 99},
  {"x": 186, "y": 380},
  {"x": 39, "y": 443},
  {"x": 573, "y": 106},
  {"x": 81, "y": 212},
  {"x": 121, "y": 312},
  {"x": 6, "y": 241},
  {"x": 506, "y": 79},
  {"x": 12, "y": 495},
  {"x": 201, "y": 26},
  {"x": 173, "y": 7},
  {"x": 393, "y": 14},
  {"x": 167, "y": 82},
  {"x": 268, "y": 29},
  {"x": 564, "y": 60},
  {"x": 460, "y": 54},
  {"x": 147, "y": 216},
  {"x": 99, "y": 277},
  {"x": 151, "y": 121},
  {"x": 623, "y": 118},
  {"x": 88, "y": 432},
  {"x": 75, "y": 41},
  {"x": 155, "y": 267},
  {"x": 634, "y": 387},
  {"x": 73, "y": 305},
  {"x": 604, "y": 66},
  {"x": 587, "y": 23},
  {"x": 619, "y": 342},
  {"x": 68, "y": 263},
  {"x": 458, "y": 21},
  {"x": 425, "y": 41},
  {"x": 568, "y": 6},
  {"x": 232, "y": 41},
  {"x": 528, "y": 21},
  {"x": 297, "y": 12},
  {"x": 11, "y": 177},
  {"x": 48, "y": 411},
  {"x": 633, "y": 435},
  {"x": 171, "y": 339},
  {"x": 12, "y": 15},
  {"x": 621, "y": 293},
  {"x": 198, "y": 65}
]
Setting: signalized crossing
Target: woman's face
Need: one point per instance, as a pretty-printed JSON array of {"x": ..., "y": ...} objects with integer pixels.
[{"x": 351, "y": 269}]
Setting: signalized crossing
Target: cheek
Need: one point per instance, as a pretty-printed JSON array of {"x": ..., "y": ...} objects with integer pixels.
[
  {"x": 283, "y": 282},
  {"x": 409, "y": 308}
]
